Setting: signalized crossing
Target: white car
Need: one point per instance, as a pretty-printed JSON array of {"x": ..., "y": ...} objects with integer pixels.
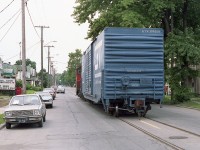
[
  {"x": 46, "y": 97},
  {"x": 61, "y": 89},
  {"x": 27, "y": 108},
  {"x": 51, "y": 91}
]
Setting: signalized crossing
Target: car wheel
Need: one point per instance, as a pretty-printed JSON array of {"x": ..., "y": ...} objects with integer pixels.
[
  {"x": 51, "y": 105},
  {"x": 8, "y": 125},
  {"x": 41, "y": 123},
  {"x": 44, "y": 118}
]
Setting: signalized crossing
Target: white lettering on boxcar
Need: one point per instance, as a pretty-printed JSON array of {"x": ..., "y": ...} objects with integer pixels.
[
  {"x": 150, "y": 31},
  {"x": 98, "y": 45},
  {"x": 97, "y": 75}
]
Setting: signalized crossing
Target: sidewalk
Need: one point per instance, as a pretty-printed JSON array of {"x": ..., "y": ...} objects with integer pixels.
[
  {"x": 2, "y": 109},
  {"x": 1, "y": 112}
]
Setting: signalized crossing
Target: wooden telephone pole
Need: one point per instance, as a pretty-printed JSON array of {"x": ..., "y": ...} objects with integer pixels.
[
  {"x": 42, "y": 27},
  {"x": 49, "y": 63},
  {"x": 23, "y": 48}
]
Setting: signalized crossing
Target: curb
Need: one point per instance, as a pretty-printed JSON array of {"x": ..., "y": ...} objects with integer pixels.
[
  {"x": 188, "y": 107},
  {"x": 2, "y": 126}
]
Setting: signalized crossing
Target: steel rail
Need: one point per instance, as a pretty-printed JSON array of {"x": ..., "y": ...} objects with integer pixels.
[
  {"x": 192, "y": 133},
  {"x": 175, "y": 147}
]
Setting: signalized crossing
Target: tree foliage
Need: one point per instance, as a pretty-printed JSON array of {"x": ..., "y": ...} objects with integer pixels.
[
  {"x": 28, "y": 62},
  {"x": 45, "y": 77},
  {"x": 179, "y": 19},
  {"x": 68, "y": 77}
]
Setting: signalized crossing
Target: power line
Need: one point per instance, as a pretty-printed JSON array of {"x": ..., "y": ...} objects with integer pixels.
[
  {"x": 32, "y": 20},
  {"x": 6, "y": 6},
  {"x": 10, "y": 27},
  {"x": 42, "y": 27},
  {"x": 18, "y": 53},
  {"x": 33, "y": 45},
  {"x": 10, "y": 19}
]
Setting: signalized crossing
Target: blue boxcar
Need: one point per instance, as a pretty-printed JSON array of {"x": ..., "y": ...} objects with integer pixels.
[{"x": 123, "y": 68}]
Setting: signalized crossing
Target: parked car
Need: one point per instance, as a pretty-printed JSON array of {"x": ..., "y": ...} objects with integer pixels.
[
  {"x": 51, "y": 91},
  {"x": 54, "y": 87},
  {"x": 46, "y": 97},
  {"x": 27, "y": 108},
  {"x": 61, "y": 89}
]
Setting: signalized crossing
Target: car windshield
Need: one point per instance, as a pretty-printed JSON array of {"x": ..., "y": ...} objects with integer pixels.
[
  {"x": 25, "y": 100},
  {"x": 46, "y": 97}
]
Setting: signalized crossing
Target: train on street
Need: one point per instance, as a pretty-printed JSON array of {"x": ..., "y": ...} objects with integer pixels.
[{"x": 123, "y": 69}]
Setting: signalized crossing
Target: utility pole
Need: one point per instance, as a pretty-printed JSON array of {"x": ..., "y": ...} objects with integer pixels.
[
  {"x": 23, "y": 48},
  {"x": 20, "y": 59},
  {"x": 53, "y": 73},
  {"x": 48, "y": 61},
  {"x": 42, "y": 27}
]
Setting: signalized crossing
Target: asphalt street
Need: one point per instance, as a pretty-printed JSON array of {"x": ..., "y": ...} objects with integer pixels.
[{"x": 75, "y": 124}]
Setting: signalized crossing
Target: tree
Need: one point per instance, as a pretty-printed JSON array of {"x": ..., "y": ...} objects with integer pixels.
[
  {"x": 68, "y": 77},
  {"x": 45, "y": 77},
  {"x": 28, "y": 62},
  {"x": 179, "y": 19}
]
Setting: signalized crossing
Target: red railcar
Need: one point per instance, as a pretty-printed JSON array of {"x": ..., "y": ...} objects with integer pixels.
[{"x": 78, "y": 81}]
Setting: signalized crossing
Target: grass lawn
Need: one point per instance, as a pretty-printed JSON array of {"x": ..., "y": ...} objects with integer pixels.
[
  {"x": 4, "y": 100},
  {"x": 193, "y": 103},
  {"x": 190, "y": 104},
  {"x": 1, "y": 119},
  {"x": 30, "y": 91}
]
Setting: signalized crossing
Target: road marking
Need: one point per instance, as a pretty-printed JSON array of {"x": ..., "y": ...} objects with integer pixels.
[{"x": 150, "y": 124}]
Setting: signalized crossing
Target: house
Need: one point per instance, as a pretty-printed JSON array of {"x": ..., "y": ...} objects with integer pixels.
[
  {"x": 30, "y": 74},
  {"x": 15, "y": 71}
]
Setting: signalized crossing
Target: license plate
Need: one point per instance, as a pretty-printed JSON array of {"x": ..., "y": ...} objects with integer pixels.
[{"x": 22, "y": 120}]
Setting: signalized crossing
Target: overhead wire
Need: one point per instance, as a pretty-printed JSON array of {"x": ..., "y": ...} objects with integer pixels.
[
  {"x": 18, "y": 53},
  {"x": 31, "y": 20},
  {"x": 10, "y": 27},
  {"x": 7, "y": 6},
  {"x": 13, "y": 23},
  {"x": 12, "y": 16},
  {"x": 10, "y": 19}
]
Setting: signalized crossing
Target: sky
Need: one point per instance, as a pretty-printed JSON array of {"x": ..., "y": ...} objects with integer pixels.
[{"x": 65, "y": 35}]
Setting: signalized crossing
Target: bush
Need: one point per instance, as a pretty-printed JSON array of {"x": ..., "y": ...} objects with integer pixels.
[
  {"x": 37, "y": 88},
  {"x": 167, "y": 100},
  {"x": 19, "y": 83},
  {"x": 30, "y": 87},
  {"x": 182, "y": 94}
]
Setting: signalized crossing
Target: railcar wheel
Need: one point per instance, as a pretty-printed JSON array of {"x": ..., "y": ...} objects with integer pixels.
[
  {"x": 144, "y": 114},
  {"x": 141, "y": 114},
  {"x": 109, "y": 111}
]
